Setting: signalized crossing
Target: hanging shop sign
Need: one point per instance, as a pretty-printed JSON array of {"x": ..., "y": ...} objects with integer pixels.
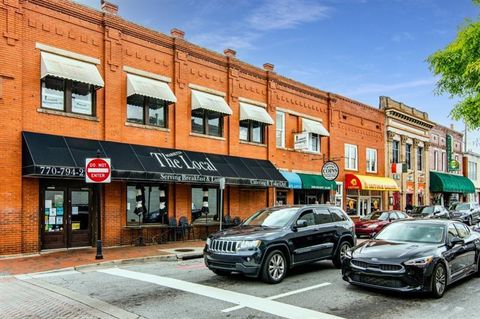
[
  {"x": 98, "y": 170},
  {"x": 453, "y": 164},
  {"x": 330, "y": 171}
]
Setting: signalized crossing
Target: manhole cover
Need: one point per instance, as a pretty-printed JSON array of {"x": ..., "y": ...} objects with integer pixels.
[{"x": 184, "y": 250}]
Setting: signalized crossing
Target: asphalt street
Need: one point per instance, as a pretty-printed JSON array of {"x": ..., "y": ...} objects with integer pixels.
[{"x": 186, "y": 289}]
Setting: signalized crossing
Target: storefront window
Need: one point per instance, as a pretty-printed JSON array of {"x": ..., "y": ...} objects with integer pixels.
[
  {"x": 203, "y": 199},
  {"x": 54, "y": 210},
  {"x": 281, "y": 198},
  {"x": 147, "y": 110},
  {"x": 147, "y": 204},
  {"x": 68, "y": 96},
  {"x": 352, "y": 202},
  {"x": 207, "y": 122}
]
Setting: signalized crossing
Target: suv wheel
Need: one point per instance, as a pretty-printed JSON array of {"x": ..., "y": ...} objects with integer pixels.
[
  {"x": 439, "y": 280},
  {"x": 342, "y": 249},
  {"x": 274, "y": 267}
]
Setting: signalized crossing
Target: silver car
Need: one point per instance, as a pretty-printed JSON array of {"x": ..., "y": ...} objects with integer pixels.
[{"x": 466, "y": 212}]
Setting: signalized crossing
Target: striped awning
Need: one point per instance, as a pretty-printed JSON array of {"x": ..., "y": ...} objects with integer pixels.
[
  {"x": 211, "y": 102},
  {"x": 144, "y": 86},
  {"x": 67, "y": 68},
  {"x": 254, "y": 113}
]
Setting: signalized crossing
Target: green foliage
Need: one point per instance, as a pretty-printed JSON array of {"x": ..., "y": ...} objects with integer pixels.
[{"x": 458, "y": 66}]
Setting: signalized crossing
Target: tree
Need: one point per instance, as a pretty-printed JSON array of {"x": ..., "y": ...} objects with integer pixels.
[{"x": 458, "y": 66}]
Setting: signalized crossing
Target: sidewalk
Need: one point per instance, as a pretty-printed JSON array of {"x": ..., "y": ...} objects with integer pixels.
[{"x": 48, "y": 261}]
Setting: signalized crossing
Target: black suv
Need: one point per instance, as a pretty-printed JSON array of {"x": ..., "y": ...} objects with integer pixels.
[{"x": 275, "y": 239}]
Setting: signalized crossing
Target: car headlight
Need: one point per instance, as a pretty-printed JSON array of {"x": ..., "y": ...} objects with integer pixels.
[
  {"x": 419, "y": 262},
  {"x": 248, "y": 244},
  {"x": 372, "y": 226},
  {"x": 209, "y": 241}
]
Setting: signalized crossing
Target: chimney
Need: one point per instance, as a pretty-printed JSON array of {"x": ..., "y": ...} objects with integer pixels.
[
  {"x": 268, "y": 67},
  {"x": 109, "y": 7},
  {"x": 177, "y": 33},
  {"x": 452, "y": 127},
  {"x": 230, "y": 52}
]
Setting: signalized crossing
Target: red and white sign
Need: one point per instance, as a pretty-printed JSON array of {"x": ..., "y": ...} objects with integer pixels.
[{"x": 97, "y": 170}]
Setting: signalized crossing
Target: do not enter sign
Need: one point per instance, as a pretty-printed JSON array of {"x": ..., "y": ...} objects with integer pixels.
[{"x": 97, "y": 170}]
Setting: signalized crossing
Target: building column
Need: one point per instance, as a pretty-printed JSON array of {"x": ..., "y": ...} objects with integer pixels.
[
  {"x": 388, "y": 168},
  {"x": 426, "y": 169},
  {"x": 415, "y": 171},
  {"x": 403, "y": 178}
]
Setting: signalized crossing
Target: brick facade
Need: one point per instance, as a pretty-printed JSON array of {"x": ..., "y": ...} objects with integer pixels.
[{"x": 118, "y": 43}]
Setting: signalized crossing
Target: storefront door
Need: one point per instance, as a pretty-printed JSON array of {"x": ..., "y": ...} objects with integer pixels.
[
  {"x": 67, "y": 217},
  {"x": 364, "y": 207}
]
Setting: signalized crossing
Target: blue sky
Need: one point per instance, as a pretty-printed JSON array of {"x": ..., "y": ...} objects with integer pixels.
[{"x": 358, "y": 48}]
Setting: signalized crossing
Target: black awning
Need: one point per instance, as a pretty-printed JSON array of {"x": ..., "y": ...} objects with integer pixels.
[{"x": 47, "y": 155}]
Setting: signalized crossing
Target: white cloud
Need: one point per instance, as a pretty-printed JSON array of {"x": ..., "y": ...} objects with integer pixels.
[
  {"x": 286, "y": 14},
  {"x": 384, "y": 88}
]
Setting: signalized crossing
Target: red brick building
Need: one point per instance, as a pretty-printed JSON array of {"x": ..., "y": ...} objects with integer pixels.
[{"x": 74, "y": 80}]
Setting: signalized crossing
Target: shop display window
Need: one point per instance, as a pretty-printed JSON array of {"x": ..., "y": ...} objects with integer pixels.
[{"x": 147, "y": 204}]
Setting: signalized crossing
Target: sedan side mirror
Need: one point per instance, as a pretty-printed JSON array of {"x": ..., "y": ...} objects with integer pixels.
[{"x": 456, "y": 241}]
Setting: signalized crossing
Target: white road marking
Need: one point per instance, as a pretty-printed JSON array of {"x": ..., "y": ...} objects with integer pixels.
[
  {"x": 257, "y": 303},
  {"x": 286, "y": 294}
]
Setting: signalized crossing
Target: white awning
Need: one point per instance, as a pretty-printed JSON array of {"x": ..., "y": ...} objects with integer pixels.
[
  {"x": 149, "y": 87},
  {"x": 211, "y": 102},
  {"x": 314, "y": 127},
  {"x": 254, "y": 113},
  {"x": 71, "y": 69}
]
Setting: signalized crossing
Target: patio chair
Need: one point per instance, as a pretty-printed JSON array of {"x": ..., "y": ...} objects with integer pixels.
[
  {"x": 174, "y": 228},
  {"x": 186, "y": 227},
  {"x": 228, "y": 222},
  {"x": 236, "y": 221}
]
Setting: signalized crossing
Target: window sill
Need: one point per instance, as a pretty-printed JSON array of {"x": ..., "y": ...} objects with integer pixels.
[
  {"x": 208, "y": 136},
  {"x": 148, "y": 127},
  {"x": 253, "y": 143},
  {"x": 72, "y": 115},
  {"x": 372, "y": 172},
  {"x": 309, "y": 152},
  {"x": 351, "y": 169},
  {"x": 285, "y": 149}
]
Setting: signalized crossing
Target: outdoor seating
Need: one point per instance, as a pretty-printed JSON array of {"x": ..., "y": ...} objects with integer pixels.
[
  {"x": 228, "y": 222},
  {"x": 174, "y": 228},
  {"x": 186, "y": 228},
  {"x": 236, "y": 221}
]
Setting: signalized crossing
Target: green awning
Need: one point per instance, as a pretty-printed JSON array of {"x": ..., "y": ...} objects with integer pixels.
[
  {"x": 310, "y": 181},
  {"x": 449, "y": 183}
]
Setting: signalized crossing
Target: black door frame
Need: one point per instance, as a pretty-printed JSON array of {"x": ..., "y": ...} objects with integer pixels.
[{"x": 66, "y": 186}]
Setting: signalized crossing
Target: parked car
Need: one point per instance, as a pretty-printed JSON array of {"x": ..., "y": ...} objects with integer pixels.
[
  {"x": 376, "y": 221},
  {"x": 415, "y": 255},
  {"x": 275, "y": 239},
  {"x": 466, "y": 212},
  {"x": 429, "y": 212}
]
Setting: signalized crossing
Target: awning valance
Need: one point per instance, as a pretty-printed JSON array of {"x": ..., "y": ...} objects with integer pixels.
[
  {"x": 450, "y": 183},
  {"x": 71, "y": 69},
  {"x": 293, "y": 179},
  {"x": 156, "y": 89},
  {"x": 315, "y": 127},
  {"x": 372, "y": 183},
  {"x": 311, "y": 181},
  {"x": 254, "y": 113},
  {"x": 211, "y": 102},
  {"x": 45, "y": 155}
]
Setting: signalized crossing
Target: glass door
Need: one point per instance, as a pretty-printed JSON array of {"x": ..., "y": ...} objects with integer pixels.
[
  {"x": 53, "y": 222},
  {"x": 364, "y": 207},
  {"x": 79, "y": 218}
]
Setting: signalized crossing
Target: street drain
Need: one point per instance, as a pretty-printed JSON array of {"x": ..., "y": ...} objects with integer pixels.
[{"x": 184, "y": 250}]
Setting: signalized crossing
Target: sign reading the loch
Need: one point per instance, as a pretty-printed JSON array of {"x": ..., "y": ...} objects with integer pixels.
[
  {"x": 330, "y": 171},
  {"x": 97, "y": 170},
  {"x": 178, "y": 160}
]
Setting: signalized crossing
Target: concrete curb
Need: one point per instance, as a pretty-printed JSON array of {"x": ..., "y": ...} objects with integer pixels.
[{"x": 118, "y": 262}]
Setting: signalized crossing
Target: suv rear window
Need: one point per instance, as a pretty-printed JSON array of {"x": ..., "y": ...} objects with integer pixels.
[{"x": 337, "y": 215}]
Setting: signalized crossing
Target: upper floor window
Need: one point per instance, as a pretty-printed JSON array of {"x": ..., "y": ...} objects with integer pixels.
[
  {"x": 253, "y": 120},
  {"x": 420, "y": 158},
  {"x": 371, "y": 160},
  {"x": 313, "y": 142},
  {"x": 395, "y": 151},
  {"x": 68, "y": 96},
  {"x": 435, "y": 160},
  {"x": 147, "y": 110},
  {"x": 252, "y": 131},
  {"x": 408, "y": 155},
  {"x": 472, "y": 170},
  {"x": 351, "y": 157},
  {"x": 147, "y": 98},
  {"x": 70, "y": 88},
  {"x": 208, "y": 111},
  {"x": 444, "y": 162},
  {"x": 280, "y": 129}
]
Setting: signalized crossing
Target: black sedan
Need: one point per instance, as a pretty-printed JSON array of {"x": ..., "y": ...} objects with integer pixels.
[{"x": 415, "y": 255}]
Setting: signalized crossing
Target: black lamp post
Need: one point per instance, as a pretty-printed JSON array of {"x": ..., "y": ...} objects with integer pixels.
[{"x": 98, "y": 191}]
